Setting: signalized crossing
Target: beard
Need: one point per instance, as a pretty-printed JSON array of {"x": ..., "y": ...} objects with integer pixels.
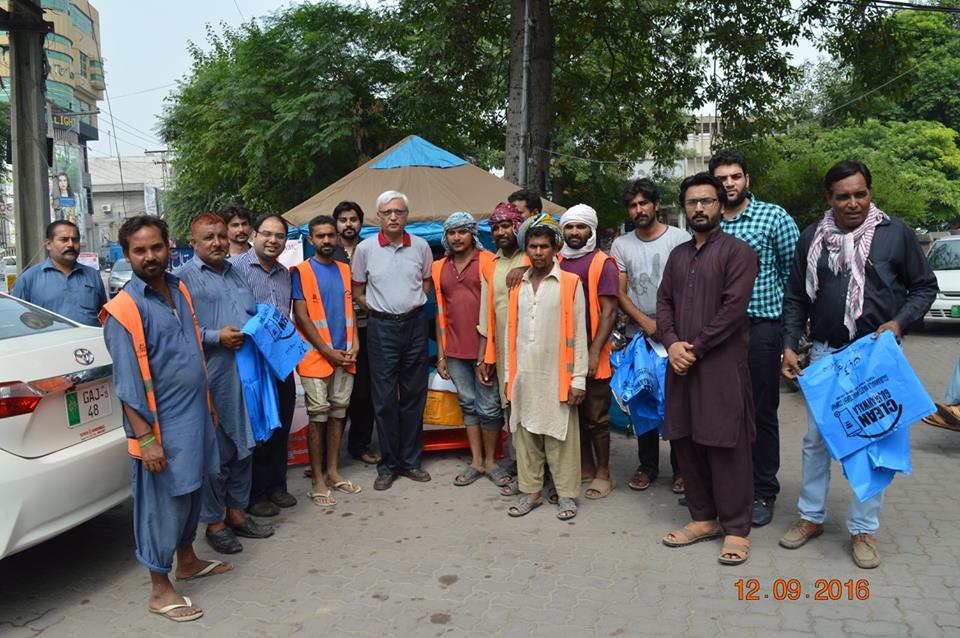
[{"x": 704, "y": 224}]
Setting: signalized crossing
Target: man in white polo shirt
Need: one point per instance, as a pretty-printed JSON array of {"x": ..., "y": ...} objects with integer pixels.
[{"x": 391, "y": 279}]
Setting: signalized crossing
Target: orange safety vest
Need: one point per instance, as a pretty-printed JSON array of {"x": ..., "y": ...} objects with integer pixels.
[
  {"x": 487, "y": 260},
  {"x": 490, "y": 354},
  {"x": 315, "y": 364},
  {"x": 124, "y": 309},
  {"x": 568, "y": 292},
  {"x": 593, "y": 307}
]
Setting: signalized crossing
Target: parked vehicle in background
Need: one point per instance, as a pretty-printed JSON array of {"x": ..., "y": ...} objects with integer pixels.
[
  {"x": 120, "y": 274},
  {"x": 63, "y": 451},
  {"x": 944, "y": 258}
]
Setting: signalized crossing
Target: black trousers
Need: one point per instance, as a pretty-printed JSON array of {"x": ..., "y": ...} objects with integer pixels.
[
  {"x": 766, "y": 348},
  {"x": 398, "y": 388},
  {"x": 270, "y": 457},
  {"x": 648, "y": 453},
  {"x": 361, "y": 409}
]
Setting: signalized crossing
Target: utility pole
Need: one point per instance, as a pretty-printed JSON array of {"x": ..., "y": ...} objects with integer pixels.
[
  {"x": 28, "y": 70},
  {"x": 163, "y": 162}
]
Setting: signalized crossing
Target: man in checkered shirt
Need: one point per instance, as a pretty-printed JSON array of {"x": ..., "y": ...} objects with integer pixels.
[{"x": 771, "y": 231}]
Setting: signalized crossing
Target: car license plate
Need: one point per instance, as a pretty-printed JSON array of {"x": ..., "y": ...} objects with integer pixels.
[
  {"x": 88, "y": 404},
  {"x": 955, "y": 311}
]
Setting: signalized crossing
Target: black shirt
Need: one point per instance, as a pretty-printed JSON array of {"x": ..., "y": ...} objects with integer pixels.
[{"x": 899, "y": 285}]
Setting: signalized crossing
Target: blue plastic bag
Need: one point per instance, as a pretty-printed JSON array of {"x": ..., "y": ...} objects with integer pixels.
[
  {"x": 862, "y": 393},
  {"x": 259, "y": 391},
  {"x": 277, "y": 339},
  {"x": 638, "y": 384}
]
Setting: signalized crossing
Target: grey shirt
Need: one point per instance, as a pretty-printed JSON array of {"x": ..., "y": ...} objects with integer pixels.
[
  {"x": 643, "y": 262},
  {"x": 393, "y": 273},
  {"x": 222, "y": 300}
]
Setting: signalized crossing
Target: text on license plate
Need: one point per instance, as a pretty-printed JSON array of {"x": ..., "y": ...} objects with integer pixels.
[{"x": 88, "y": 403}]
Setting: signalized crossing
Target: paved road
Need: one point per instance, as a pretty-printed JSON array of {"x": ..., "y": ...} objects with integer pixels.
[{"x": 436, "y": 560}]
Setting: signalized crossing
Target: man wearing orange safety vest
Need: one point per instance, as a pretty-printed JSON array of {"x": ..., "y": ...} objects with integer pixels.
[
  {"x": 600, "y": 279},
  {"x": 160, "y": 378},
  {"x": 323, "y": 312},
  {"x": 456, "y": 280},
  {"x": 546, "y": 370}
]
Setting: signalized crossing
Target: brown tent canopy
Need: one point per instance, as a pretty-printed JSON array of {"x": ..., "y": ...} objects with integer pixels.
[{"x": 436, "y": 182}]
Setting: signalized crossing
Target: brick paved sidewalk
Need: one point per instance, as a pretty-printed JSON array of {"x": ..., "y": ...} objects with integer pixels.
[{"x": 436, "y": 560}]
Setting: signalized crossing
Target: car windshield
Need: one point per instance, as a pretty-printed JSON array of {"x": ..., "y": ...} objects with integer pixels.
[
  {"x": 18, "y": 319},
  {"x": 944, "y": 255},
  {"x": 122, "y": 265}
]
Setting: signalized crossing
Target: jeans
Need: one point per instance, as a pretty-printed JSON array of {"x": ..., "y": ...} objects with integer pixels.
[
  {"x": 766, "y": 347},
  {"x": 863, "y": 517},
  {"x": 398, "y": 389},
  {"x": 479, "y": 403}
]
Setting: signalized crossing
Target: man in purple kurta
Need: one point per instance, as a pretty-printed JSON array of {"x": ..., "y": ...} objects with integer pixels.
[{"x": 702, "y": 321}]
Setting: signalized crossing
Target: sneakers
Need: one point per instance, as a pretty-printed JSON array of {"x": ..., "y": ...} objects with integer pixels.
[
  {"x": 762, "y": 511},
  {"x": 864, "y": 551},
  {"x": 801, "y": 532}
]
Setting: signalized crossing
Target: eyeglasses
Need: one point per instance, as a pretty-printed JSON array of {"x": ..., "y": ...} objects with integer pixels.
[
  {"x": 268, "y": 235},
  {"x": 399, "y": 212},
  {"x": 706, "y": 202}
]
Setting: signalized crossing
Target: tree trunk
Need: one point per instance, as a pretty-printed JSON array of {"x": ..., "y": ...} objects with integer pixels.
[
  {"x": 540, "y": 93},
  {"x": 540, "y": 100},
  {"x": 511, "y": 161}
]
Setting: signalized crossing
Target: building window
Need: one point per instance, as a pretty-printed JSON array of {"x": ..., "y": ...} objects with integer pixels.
[
  {"x": 83, "y": 64},
  {"x": 84, "y": 107},
  {"x": 56, "y": 5}
]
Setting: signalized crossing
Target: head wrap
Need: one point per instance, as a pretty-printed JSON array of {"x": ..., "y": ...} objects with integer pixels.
[
  {"x": 460, "y": 219},
  {"x": 506, "y": 212},
  {"x": 580, "y": 214},
  {"x": 543, "y": 219}
]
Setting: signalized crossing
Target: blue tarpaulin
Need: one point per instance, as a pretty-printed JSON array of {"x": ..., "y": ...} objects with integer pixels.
[{"x": 417, "y": 151}]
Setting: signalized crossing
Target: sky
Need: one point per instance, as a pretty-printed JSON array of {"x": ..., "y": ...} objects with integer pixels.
[{"x": 144, "y": 46}]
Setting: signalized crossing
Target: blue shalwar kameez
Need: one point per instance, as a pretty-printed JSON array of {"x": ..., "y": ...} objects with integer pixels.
[
  {"x": 166, "y": 505},
  {"x": 224, "y": 299}
]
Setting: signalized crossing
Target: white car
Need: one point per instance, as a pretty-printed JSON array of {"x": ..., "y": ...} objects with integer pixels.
[
  {"x": 944, "y": 258},
  {"x": 63, "y": 451}
]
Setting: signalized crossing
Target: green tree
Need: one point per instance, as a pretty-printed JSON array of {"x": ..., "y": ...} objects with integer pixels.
[
  {"x": 915, "y": 167},
  {"x": 278, "y": 109}
]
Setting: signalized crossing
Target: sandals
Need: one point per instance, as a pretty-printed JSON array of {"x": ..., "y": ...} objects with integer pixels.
[
  {"x": 639, "y": 481},
  {"x": 347, "y": 487},
  {"x": 735, "y": 546},
  {"x": 203, "y": 573},
  {"x": 686, "y": 536},
  {"x": 510, "y": 489},
  {"x": 323, "y": 499},
  {"x": 524, "y": 506},
  {"x": 468, "y": 476},
  {"x": 679, "y": 487},
  {"x": 499, "y": 476},
  {"x": 599, "y": 488},
  {"x": 552, "y": 496},
  {"x": 187, "y": 603},
  {"x": 566, "y": 508},
  {"x": 946, "y": 416}
]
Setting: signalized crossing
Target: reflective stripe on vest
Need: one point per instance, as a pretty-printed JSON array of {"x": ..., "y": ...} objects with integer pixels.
[
  {"x": 315, "y": 364},
  {"x": 568, "y": 292},
  {"x": 487, "y": 261},
  {"x": 124, "y": 309}
]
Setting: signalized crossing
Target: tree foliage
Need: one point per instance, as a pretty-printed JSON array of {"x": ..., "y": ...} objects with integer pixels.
[
  {"x": 915, "y": 167},
  {"x": 278, "y": 109}
]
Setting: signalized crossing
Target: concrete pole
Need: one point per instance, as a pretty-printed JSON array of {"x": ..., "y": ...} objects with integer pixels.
[{"x": 29, "y": 136}]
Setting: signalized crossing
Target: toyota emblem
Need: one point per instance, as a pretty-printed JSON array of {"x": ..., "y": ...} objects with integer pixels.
[{"x": 83, "y": 356}]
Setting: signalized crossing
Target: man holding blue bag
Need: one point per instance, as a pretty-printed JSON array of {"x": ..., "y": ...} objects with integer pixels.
[{"x": 856, "y": 272}]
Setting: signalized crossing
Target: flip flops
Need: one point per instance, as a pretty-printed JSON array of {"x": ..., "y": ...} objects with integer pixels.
[
  {"x": 323, "y": 499},
  {"x": 686, "y": 536},
  {"x": 203, "y": 573},
  {"x": 165, "y": 611},
  {"x": 347, "y": 487}
]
